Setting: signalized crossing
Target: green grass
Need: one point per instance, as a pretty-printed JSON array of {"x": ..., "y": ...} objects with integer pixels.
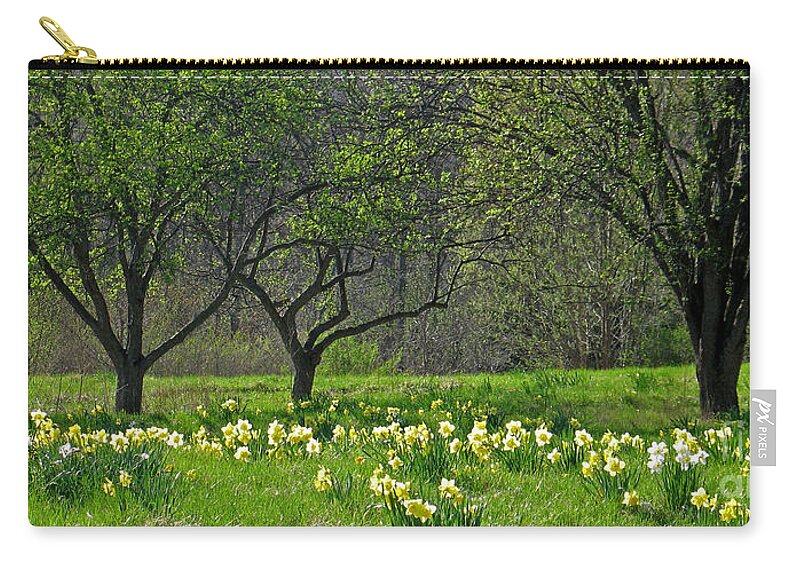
[{"x": 280, "y": 492}]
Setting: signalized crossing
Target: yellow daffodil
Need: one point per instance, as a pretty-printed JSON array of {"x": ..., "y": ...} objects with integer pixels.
[
  {"x": 614, "y": 466},
  {"x": 583, "y": 438},
  {"x": 323, "y": 480},
  {"x": 119, "y": 442},
  {"x": 446, "y": 429},
  {"x": 729, "y": 511},
  {"x": 242, "y": 454},
  {"x": 419, "y": 509},
  {"x": 554, "y": 455},
  {"x": 38, "y": 416},
  {"x": 631, "y": 499},
  {"x": 339, "y": 433},
  {"x": 400, "y": 490},
  {"x": 313, "y": 446},
  {"x": 699, "y": 498},
  {"x": 510, "y": 443},
  {"x": 125, "y": 479},
  {"x": 542, "y": 435},
  {"x": 448, "y": 490}
]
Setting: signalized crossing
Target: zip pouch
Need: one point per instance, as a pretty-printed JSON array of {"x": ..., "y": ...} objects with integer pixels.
[{"x": 388, "y": 292}]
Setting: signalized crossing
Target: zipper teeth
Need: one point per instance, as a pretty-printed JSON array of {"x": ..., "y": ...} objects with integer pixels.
[{"x": 449, "y": 63}]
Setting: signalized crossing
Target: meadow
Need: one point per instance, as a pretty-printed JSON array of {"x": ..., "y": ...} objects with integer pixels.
[{"x": 582, "y": 447}]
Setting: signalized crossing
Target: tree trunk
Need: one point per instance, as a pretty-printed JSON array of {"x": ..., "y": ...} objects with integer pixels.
[
  {"x": 130, "y": 383},
  {"x": 718, "y": 387},
  {"x": 718, "y": 344},
  {"x": 305, "y": 367}
]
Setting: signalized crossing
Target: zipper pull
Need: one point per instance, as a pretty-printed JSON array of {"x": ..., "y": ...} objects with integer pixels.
[{"x": 72, "y": 52}]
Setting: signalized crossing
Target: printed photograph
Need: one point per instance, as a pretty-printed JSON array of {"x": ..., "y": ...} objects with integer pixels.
[{"x": 388, "y": 297}]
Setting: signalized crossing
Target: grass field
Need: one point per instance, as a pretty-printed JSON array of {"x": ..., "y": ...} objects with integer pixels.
[{"x": 503, "y": 479}]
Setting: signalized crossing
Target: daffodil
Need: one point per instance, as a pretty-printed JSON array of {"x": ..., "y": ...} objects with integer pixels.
[
  {"x": 119, "y": 442},
  {"x": 313, "y": 446},
  {"x": 401, "y": 490},
  {"x": 448, "y": 490},
  {"x": 242, "y": 454},
  {"x": 275, "y": 433},
  {"x": 554, "y": 455},
  {"x": 125, "y": 479},
  {"x": 514, "y": 426},
  {"x": 99, "y": 436},
  {"x": 699, "y": 498},
  {"x": 583, "y": 438},
  {"x": 657, "y": 448},
  {"x": 656, "y": 464},
  {"x": 419, "y": 509},
  {"x": 108, "y": 487},
  {"x": 729, "y": 511},
  {"x": 38, "y": 416},
  {"x": 614, "y": 466},
  {"x": 446, "y": 429},
  {"x": 339, "y": 433},
  {"x": 631, "y": 499},
  {"x": 323, "y": 480},
  {"x": 175, "y": 439},
  {"x": 510, "y": 443},
  {"x": 542, "y": 436},
  {"x": 229, "y": 430},
  {"x": 136, "y": 435},
  {"x": 299, "y": 434}
]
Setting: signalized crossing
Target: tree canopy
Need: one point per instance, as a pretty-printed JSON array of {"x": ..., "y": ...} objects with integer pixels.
[{"x": 339, "y": 202}]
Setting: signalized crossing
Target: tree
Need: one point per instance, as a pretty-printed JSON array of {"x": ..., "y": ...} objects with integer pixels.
[
  {"x": 118, "y": 168},
  {"x": 668, "y": 158},
  {"x": 373, "y": 157}
]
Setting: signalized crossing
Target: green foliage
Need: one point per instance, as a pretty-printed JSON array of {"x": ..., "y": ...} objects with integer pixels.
[
  {"x": 667, "y": 346},
  {"x": 279, "y": 491},
  {"x": 354, "y": 356},
  {"x": 677, "y": 484},
  {"x": 643, "y": 380},
  {"x": 68, "y": 475}
]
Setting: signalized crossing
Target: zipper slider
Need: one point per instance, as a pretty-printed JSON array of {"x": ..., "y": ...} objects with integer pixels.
[{"x": 72, "y": 52}]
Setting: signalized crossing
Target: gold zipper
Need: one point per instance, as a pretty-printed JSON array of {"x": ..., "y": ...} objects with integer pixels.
[{"x": 74, "y": 54}]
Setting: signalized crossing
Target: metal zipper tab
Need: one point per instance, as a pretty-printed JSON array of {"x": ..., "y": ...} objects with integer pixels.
[{"x": 72, "y": 53}]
